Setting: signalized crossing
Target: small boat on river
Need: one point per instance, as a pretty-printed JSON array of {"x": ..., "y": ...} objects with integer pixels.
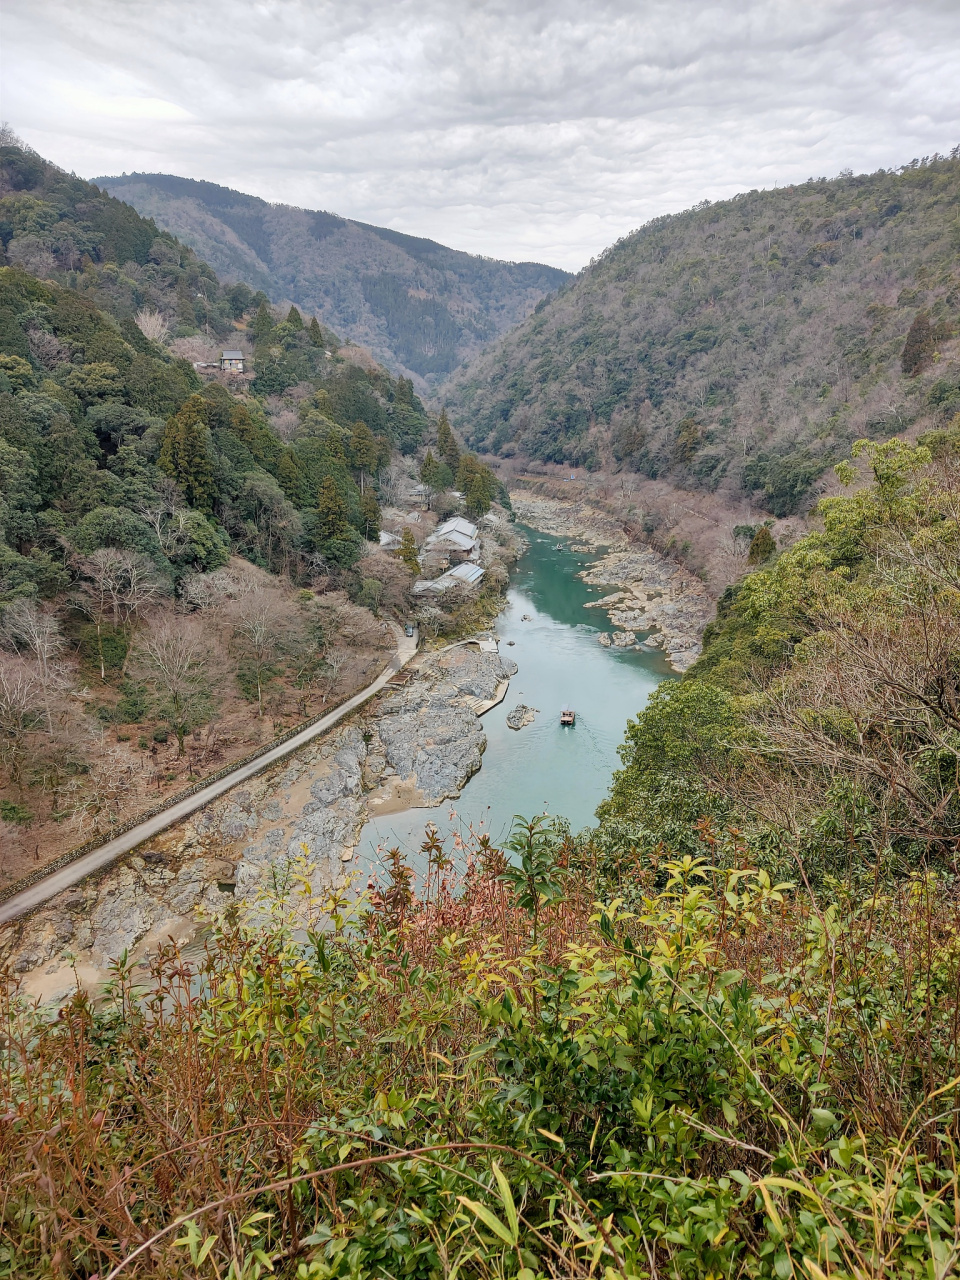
[{"x": 567, "y": 716}]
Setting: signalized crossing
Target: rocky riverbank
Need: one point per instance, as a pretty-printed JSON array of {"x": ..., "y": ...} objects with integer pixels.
[
  {"x": 657, "y": 604},
  {"x": 415, "y": 745}
]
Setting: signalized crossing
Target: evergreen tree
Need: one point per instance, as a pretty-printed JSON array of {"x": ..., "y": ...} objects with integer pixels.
[
  {"x": 478, "y": 484},
  {"x": 432, "y": 472},
  {"x": 762, "y": 547},
  {"x": 364, "y": 451},
  {"x": 370, "y": 514},
  {"x": 408, "y": 551},
  {"x": 332, "y": 511},
  {"x": 918, "y": 347},
  {"x": 262, "y": 323},
  {"x": 447, "y": 444},
  {"x": 294, "y": 318},
  {"x": 290, "y": 477},
  {"x": 185, "y": 454},
  {"x": 316, "y": 333}
]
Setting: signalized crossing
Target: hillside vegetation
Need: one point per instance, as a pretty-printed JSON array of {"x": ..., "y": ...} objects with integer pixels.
[
  {"x": 420, "y": 307},
  {"x": 188, "y": 564},
  {"x": 742, "y": 346}
]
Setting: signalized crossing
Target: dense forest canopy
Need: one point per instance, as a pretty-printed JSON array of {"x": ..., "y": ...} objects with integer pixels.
[
  {"x": 420, "y": 307},
  {"x": 742, "y": 346},
  {"x": 96, "y": 418}
]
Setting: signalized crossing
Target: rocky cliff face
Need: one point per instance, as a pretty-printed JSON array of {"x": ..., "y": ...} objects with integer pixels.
[{"x": 426, "y": 736}]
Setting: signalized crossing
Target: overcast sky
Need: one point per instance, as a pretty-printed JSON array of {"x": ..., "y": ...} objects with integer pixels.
[{"x": 520, "y": 130}]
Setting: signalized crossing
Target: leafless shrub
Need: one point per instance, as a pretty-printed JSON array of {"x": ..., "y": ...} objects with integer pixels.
[{"x": 212, "y": 590}]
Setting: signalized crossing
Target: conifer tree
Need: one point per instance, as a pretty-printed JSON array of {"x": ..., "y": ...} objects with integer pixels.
[
  {"x": 262, "y": 323},
  {"x": 290, "y": 477},
  {"x": 185, "y": 454},
  {"x": 447, "y": 444},
  {"x": 370, "y": 513},
  {"x": 762, "y": 547},
  {"x": 478, "y": 484},
  {"x": 316, "y": 333},
  {"x": 333, "y": 513},
  {"x": 431, "y": 472},
  {"x": 294, "y": 318},
  {"x": 918, "y": 347},
  {"x": 408, "y": 551},
  {"x": 364, "y": 450}
]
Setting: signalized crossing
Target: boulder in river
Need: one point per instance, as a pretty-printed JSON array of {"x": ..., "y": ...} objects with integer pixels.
[{"x": 521, "y": 715}]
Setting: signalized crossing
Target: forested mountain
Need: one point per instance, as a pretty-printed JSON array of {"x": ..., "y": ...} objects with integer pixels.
[
  {"x": 420, "y": 307},
  {"x": 154, "y": 520},
  {"x": 740, "y": 346},
  {"x": 88, "y": 402}
]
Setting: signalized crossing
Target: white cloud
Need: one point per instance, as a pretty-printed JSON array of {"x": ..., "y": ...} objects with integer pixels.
[{"x": 543, "y": 129}]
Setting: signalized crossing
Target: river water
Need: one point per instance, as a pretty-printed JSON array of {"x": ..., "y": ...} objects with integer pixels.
[{"x": 565, "y": 771}]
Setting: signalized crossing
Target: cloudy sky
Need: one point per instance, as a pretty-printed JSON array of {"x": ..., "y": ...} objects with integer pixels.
[{"x": 537, "y": 129}]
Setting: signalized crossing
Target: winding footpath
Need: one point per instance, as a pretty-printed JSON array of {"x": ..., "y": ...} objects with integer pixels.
[{"x": 37, "y": 894}]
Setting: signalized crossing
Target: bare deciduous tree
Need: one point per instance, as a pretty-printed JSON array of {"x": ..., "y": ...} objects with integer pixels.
[
  {"x": 118, "y": 583},
  {"x": 264, "y": 621},
  {"x": 152, "y": 325},
  {"x": 26, "y": 627},
  {"x": 21, "y": 710},
  {"x": 174, "y": 657},
  {"x": 96, "y": 801}
]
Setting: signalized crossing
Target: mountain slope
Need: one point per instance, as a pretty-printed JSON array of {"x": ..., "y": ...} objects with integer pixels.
[
  {"x": 741, "y": 346},
  {"x": 420, "y": 307}
]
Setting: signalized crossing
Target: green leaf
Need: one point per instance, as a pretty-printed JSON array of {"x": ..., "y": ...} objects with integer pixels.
[
  {"x": 506, "y": 1195},
  {"x": 489, "y": 1220}
]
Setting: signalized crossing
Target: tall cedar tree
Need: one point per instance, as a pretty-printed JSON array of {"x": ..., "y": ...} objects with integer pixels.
[
  {"x": 333, "y": 513},
  {"x": 370, "y": 513},
  {"x": 435, "y": 475},
  {"x": 447, "y": 444},
  {"x": 407, "y": 551},
  {"x": 364, "y": 450},
  {"x": 477, "y": 483},
  {"x": 294, "y": 318},
  {"x": 185, "y": 456},
  {"x": 262, "y": 323},
  {"x": 918, "y": 347},
  {"x": 316, "y": 334}
]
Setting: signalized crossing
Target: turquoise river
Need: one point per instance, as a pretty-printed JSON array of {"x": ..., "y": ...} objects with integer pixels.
[{"x": 565, "y": 771}]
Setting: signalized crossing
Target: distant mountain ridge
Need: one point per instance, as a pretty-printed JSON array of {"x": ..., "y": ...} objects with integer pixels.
[
  {"x": 741, "y": 346},
  {"x": 420, "y": 307}
]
